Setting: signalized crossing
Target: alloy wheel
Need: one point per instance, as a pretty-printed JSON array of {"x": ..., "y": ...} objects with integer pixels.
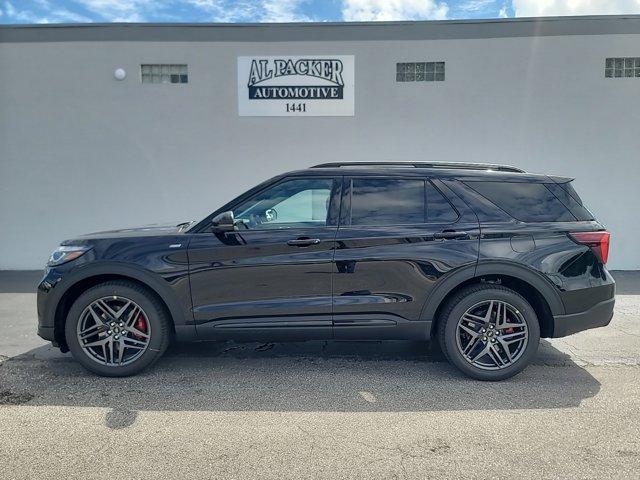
[
  {"x": 113, "y": 331},
  {"x": 492, "y": 335}
]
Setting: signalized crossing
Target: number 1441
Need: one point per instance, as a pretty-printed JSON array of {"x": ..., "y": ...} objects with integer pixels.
[{"x": 296, "y": 107}]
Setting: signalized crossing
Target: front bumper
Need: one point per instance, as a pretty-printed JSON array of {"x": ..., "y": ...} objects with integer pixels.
[
  {"x": 47, "y": 301},
  {"x": 599, "y": 315}
]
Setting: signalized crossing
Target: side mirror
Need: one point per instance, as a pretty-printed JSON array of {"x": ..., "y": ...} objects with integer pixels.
[{"x": 223, "y": 222}]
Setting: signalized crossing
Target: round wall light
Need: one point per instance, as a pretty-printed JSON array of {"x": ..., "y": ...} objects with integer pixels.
[{"x": 119, "y": 74}]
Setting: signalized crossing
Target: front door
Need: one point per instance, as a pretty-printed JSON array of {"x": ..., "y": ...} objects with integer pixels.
[
  {"x": 397, "y": 237},
  {"x": 271, "y": 277}
]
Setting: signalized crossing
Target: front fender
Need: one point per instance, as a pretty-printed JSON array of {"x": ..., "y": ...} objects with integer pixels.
[{"x": 173, "y": 290}]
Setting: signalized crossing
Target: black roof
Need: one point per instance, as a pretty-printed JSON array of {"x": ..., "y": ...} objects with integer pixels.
[
  {"x": 491, "y": 167},
  {"x": 459, "y": 171}
]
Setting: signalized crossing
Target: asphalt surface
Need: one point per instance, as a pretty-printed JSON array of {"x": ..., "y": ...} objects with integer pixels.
[{"x": 320, "y": 409}]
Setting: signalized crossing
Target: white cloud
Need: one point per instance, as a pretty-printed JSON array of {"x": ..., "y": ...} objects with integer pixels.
[
  {"x": 120, "y": 10},
  {"x": 282, "y": 11},
  {"x": 64, "y": 15},
  {"x": 475, "y": 5},
  {"x": 539, "y": 8},
  {"x": 381, "y": 10},
  {"x": 503, "y": 13},
  {"x": 251, "y": 10},
  {"x": 23, "y": 15},
  {"x": 220, "y": 11},
  {"x": 41, "y": 11}
]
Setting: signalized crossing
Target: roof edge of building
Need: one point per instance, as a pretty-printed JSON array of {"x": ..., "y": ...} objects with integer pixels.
[{"x": 324, "y": 31}]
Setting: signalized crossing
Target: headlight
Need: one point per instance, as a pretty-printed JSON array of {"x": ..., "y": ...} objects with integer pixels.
[{"x": 66, "y": 253}]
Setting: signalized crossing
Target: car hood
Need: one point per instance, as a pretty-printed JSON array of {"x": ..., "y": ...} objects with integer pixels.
[{"x": 145, "y": 231}]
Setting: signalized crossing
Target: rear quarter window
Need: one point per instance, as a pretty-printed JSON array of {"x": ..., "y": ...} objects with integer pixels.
[
  {"x": 527, "y": 202},
  {"x": 568, "y": 196}
]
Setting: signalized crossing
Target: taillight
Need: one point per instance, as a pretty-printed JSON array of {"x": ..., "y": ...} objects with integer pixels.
[{"x": 598, "y": 242}]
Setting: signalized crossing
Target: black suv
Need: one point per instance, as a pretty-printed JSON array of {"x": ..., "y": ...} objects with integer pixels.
[{"x": 485, "y": 258}]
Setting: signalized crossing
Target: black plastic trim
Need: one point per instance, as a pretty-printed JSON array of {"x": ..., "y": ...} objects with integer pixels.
[
  {"x": 599, "y": 315},
  {"x": 46, "y": 333}
]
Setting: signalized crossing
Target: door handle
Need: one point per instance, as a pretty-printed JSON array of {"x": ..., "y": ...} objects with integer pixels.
[
  {"x": 451, "y": 234},
  {"x": 303, "y": 242}
]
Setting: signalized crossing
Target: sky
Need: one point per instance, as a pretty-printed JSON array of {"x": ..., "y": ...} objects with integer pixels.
[{"x": 71, "y": 11}]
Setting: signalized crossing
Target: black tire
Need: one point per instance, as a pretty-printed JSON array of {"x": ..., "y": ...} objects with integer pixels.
[
  {"x": 465, "y": 299},
  {"x": 160, "y": 327}
]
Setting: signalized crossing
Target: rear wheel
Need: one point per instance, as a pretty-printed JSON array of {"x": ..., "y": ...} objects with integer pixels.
[
  {"x": 117, "y": 329},
  {"x": 489, "y": 332}
]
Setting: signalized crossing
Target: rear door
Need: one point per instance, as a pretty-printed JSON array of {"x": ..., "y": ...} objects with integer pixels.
[{"x": 397, "y": 237}]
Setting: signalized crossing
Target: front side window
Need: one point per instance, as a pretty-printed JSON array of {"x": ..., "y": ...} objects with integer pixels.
[
  {"x": 296, "y": 203},
  {"x": 384, "y": 201}
]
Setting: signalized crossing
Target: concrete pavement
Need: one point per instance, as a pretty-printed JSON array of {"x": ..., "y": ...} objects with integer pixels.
[{"x": 321, "y": 409}]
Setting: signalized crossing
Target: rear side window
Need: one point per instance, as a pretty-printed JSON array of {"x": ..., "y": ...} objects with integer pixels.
[
  {"x": 568, "y": 196},
  {"x": 387, "y": 201},
  {"x": 439, "y": 210},
  {"x": 527, "y": 202}
]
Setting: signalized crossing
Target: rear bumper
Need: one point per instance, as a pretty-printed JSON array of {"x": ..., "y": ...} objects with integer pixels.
[{"x": 598, "y": 315}]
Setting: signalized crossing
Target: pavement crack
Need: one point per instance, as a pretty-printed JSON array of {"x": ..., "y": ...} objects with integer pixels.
[
  {"x": 310, "y": 437},
  {"x": 625, "y": 332}
]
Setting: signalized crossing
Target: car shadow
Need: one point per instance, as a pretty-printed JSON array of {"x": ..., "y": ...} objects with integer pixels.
[{"x": 293, "y": 377}]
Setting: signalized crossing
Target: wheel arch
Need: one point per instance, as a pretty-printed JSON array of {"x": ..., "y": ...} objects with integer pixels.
[
  {"x": 89, "y": 277},
  {"x": 537, "y": 290}
]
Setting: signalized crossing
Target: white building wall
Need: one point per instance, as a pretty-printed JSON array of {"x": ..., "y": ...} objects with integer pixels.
[{"x": 81, "y": 151}]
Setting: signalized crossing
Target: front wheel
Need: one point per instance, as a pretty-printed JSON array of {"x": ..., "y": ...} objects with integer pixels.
[
  {"x": 117, "y": 329},
  {"x": 489, "y": 332}
]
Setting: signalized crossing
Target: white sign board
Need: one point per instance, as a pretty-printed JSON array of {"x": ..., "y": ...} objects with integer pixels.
[{"x": 306, "y": 85}]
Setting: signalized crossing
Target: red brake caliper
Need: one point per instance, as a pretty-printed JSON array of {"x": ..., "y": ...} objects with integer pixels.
[{"x": 141, "y": 324}]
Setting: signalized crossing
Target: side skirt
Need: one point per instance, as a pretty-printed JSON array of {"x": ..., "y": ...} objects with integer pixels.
[
  {"x": 379, "y": 327},
  {"x": 283, "y": 329}
]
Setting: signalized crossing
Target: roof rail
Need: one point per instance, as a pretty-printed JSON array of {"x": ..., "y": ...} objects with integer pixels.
[{"x": 445, "y": 165}]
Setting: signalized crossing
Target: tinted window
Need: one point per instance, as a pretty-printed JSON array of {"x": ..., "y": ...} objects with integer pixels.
[
  {"x": 439, "y": 210},
  {"x": 527, "y": 202},
  {"x": 292, "y": 203},
  {"x": 569, "y": 201},
  {"x": 377, "y": 201}
]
